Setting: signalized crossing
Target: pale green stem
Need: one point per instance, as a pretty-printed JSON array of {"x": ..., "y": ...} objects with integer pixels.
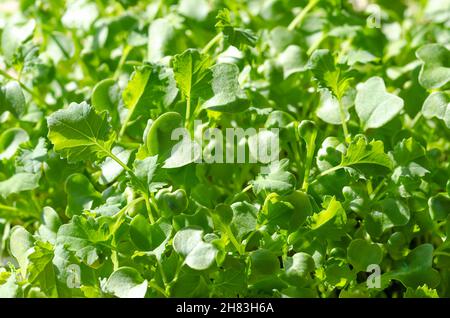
[
  {"x": 158, "y": 288},
  {"x": 188, "y": 111},
  {"x": 9, "y": 208},
  {"x": 310, "y": 149},
  {"x": 149, "y": 209},
  {"x": 213, "y": 42},
  {"x": 344, "y": 121},
  {"x": 301, "y": 16},
  {"x": 125, "y": 123},
  {"x": 123, "y": 58}
]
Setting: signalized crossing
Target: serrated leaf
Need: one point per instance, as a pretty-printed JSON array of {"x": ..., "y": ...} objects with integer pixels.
[
  {"x": 79, "y": 133},
  {"x": 228, "y": 96},
  {"x": 19, "y": 182},
  {"x": 367, "y": 157},
  {"x": 277, "y": 179},
  {"x": 191, "y": 71},
  {"x": 84, "y": 237}
]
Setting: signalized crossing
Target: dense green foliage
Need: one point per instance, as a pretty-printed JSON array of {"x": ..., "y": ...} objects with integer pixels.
[{"x": 95, "y": 202}]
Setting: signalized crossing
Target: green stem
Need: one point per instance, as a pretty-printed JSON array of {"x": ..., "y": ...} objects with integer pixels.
[
  {"x": 9, "y": 208},
  {"x": 211, "y": 43},
  {"x": 376, "y": 190},
  {"x": 301, "y": 16},
  {"x": 233, "y": 239},
  {"x": 158, "y": 288},
  {"x": 239, "y": 193},
  {"x": 316, "y": 44},
  {"x": 415, "y": 119},
  {"x": 188, "y": 112},
  {"x": 329, "y": 171},
  {"x": 125, "y": 123},
  {"x": 295, "y": 153},
  {"x": 120, "y": 162},
  {"x": 310, "y": 149},
  {"x": 153, "y": 203},
  {"x": 149, "y": 209},
  {"x": 123, "y": 58},
  {"x": 163, "y": 274},
  {"x": 228, "y": 232},
  {"x": 442, "y": 253},
  {"x": 344, "y": 121}
]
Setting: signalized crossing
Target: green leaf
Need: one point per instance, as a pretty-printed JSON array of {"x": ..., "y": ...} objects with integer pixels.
[
  {"x": 146, "y": 236},
  {"x": 80, "y": 14},
  {"x": 408, "y": 150},
  {"x": 21, "y": 245},
  {"x": 192, "y": 74},
  {"x": 328, "y": 74},
  {"x": 244, "y": 218},
  {"x": 292, "y": 60},
  {"x": 106, "y": 97},
  {"x": 439, "y": 206},
  {"x": 435, "y": 71},
  {"x": 141, "y": 92},
  {"x": 161, "y": 35},
  {"x": 421, "y": 292},
  {"x": 263, "y": 262},
  {"x": 277, "y": 179},
  {"x": 367, "y": 157},
  {"x": 32, "y": 161},
  {"x": 41, "y": 270},
  {"x": 81, "y": 194},
  {"x": 171, "y": 203},
  {"x": 299, "y": 266},
  {"x": 194, "y": 9},
  {"x": 145, "y": 171},
  {"x": 198, "y": 254},
  {"x": 437, "y": 105},
  {"x": 12, "y": 99},
  {"x": 228, "y": 96},
  {"x": 374, "y": 105},
  {"x": 50, "y": 225},
  {"x": 10, "y": 140},
  {"x": 159, "y": 138},
  {"x": 362, "y": 253},
  {"x": 14, "y": 34},
  {"x": 233, "y": 35},
  {"x": 328, "y": 109},
  {"x": 79, "y": 133},
  {"x": 19, "y": 182},
  {"x": 86, "y": 238},
  {"x": 333, "y": 212},
  {"x": 111, "y": 170},
  {"x": 11, "y": 289},
  {"x": 126, "y": 282},
  {"x": 416, "y": 269}
]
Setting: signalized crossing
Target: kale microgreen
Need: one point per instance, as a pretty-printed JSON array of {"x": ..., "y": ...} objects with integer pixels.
[{"x": 100, "y": 196}]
